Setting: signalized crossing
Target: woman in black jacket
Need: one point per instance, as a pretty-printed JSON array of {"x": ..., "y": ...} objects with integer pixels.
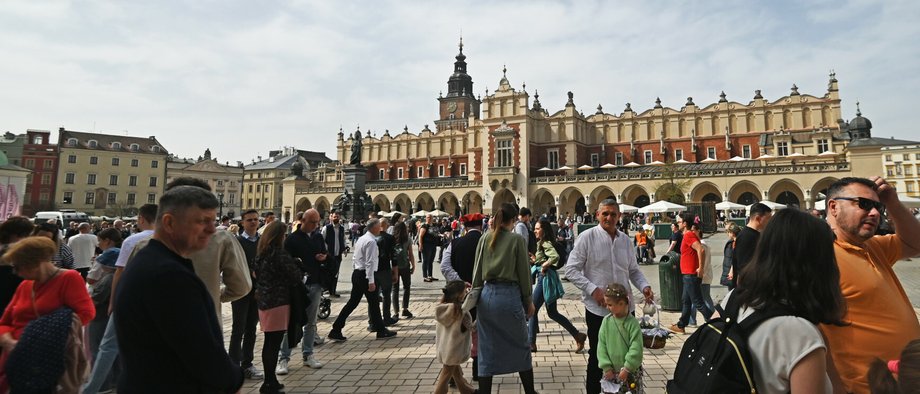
[{"x": 276, "y": 274}]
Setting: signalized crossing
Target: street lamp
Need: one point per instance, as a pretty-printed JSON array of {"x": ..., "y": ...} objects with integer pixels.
[{"x": 220, "y": 199}]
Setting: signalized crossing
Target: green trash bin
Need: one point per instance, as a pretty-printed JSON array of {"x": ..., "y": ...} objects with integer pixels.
[
  {"x": 740, "y": 222},
  {"x": 670, "y": 281}
]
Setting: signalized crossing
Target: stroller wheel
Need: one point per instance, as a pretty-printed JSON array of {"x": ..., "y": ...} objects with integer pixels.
[{"x": 325, "y": 308}]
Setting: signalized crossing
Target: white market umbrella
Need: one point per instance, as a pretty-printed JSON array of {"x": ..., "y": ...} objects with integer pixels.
[
  {"x": 420, "y": 214},
  {"x": 656, "y": 163},
  {"x": 608, "y": 166},
  {"x": 709, "y": 160},
  {"x": 821, "y": 205},
  {"x": 737, "y": 158},
  {"x": 729, "y": 206},
  {"x": 796, "y": 155},
  {"x": 766, "y": 157},
  {"x": 828, "y": 153},
  {"x": 681, "y": 161},
  {"x": 626, "y": 208},
  {"x": 773, "y": 205},
  {"x": 382, "y": 213},
  {"x": 438, "y": 213},
  {"x": 908, "y": 201},
  {"x": 631, "y": 164},
  {"x": 544, "y": 169},
  {"x": 662, "y": 207},
  {"x": 585, "y": 167},
  {"x": 393, "y": 213},
  {"x": 564, "y": 168}
]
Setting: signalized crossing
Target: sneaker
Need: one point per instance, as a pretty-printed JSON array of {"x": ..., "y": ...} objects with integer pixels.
[
  {"x": 428, "y": 279},
  {"x": 384, "y": 334},
  {"x": 336, "y": 335},
  {"x": 533, "y": 347},
  {"x": 389, "y": 321},
  {"x": 317, "y": 340},
  {"x": 407, "y": 314},
  {"x": 433, "y": 278},
  {"x": 336, "y": 295},
  {"x": 311, "y": 362},
  {"x": 677, "y": 329},
  {"x": 282, "y": 368},
  {"x": 253, "y": 373}
]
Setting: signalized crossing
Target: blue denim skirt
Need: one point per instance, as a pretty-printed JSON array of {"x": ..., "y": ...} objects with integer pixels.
[{"x": 501, "y": 324}]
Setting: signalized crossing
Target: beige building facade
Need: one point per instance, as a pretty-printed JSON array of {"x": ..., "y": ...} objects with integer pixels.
[
  {"x": 900, "y": 165},
  {"x": 226, "y": 180},
  {"x": 111, "y": 175},
  {"x": 787, "y": 149},
  {"x": 263, "y": 181}
]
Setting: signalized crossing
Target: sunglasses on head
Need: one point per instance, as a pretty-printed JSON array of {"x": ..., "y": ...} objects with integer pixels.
[{"x": 865, "y": 204}]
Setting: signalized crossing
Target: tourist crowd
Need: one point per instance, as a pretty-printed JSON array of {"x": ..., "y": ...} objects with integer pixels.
[{"x": 150, "y": 294}]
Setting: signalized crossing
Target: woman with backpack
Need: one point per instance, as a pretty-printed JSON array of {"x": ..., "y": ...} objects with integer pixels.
[
  {"x": 793, "y": 280},
  {"x": 546, "y": 262}
]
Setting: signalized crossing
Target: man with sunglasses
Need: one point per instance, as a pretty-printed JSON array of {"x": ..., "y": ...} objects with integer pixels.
[{"x": 880, "y": 316}]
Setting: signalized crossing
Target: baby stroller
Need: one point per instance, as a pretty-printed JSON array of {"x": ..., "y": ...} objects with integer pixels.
[{"x": 325, "y": 307}]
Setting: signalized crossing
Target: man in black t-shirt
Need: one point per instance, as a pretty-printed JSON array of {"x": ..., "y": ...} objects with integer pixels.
[
  {"x": 386, "y": 243},
  {"x": 747, "y": 239}
]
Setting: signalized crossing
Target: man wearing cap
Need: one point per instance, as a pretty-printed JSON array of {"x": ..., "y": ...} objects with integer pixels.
[{"x": 459, "y": 259}]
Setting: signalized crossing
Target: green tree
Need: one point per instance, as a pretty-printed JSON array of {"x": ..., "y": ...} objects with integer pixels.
[{"x": 674, "y": 186}]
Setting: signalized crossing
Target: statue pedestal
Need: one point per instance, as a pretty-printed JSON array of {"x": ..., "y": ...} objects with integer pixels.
[
  {"x": 355, "y": 203},
  {"x": 355, "y": 178}
]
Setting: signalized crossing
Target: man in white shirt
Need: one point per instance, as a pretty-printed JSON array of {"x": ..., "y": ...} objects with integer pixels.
[
  {"x": 366, "y": 259},
  {"x": 603, "y": 255},
  {"x": 83, "y": 246}
]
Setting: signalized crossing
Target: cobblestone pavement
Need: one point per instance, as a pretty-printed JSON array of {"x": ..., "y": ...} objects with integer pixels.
[{"x": 406, "y": 363}]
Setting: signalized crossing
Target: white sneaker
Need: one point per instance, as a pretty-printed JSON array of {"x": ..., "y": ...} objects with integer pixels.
[
  {"x": 253, "y": 373},
  {"x": 282, "y": 368},
  {"x": 311, "y": 362},
  {"x": 318, "y": 340}
]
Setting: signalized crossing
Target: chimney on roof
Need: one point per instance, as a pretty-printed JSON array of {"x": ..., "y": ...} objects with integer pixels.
[
  {"x": 152, "y": 138},
  {"x": 61, "y": 129}
]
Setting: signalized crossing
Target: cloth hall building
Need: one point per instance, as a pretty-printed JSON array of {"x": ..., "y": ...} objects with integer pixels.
[{"x": 506, "y": 147}]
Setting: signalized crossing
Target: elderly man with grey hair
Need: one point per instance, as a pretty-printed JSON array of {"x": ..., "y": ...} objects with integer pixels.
[
  {"x": 603, "y": 255},
  {"x": 365, "y": 262},
  {"x": 83, "y": 246},
  {"x": 168, "y": 332}
]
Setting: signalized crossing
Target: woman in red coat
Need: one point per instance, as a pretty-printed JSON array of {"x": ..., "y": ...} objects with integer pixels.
[{"x": 45, "y": 289}]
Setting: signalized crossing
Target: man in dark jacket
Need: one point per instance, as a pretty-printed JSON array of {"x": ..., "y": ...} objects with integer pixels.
[
  {"x": 307, "y": 246},
  {"x": 334, "y": 235},
  {"x": 386, "y": 243},
  {"x": 245, "y": 311},
  {"x": 747, "y": 239},
  {"x": 168, "y": 333}
]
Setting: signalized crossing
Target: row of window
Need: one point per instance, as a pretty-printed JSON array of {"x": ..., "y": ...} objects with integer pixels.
[
  {"x": 111, "y": 198},
  {"x": 46, "y": 179},
  {"x": 259, "y": 188},
  {"x": 47, "y": 164},
  {"x": 115, "y": 145},
  {"x": 900, "y": 169},
  {"x": 904, "y": 157},
  {"x": 260, "y": 202},
  {"x": 258, "y": 175},
  {"x": 93, "y": 160},
  {"x": 420, "y": 172},
  {"x": 69, "y": 179}
]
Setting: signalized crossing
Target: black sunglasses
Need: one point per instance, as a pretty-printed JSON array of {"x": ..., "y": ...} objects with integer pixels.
[{"x": 865, "y": 204}]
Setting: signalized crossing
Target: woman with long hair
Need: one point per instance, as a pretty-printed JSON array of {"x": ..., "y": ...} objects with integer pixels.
[
  {"x": 546, "y": 259},
  {"x": 405, "y": 266},
  {"x": 793, "y": 270},
  {"x": 276, "y": 274},
  {"x": 502, "y": 271}
]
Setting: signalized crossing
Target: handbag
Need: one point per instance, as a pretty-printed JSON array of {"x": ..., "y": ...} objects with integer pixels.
[
  {"x": 552, "y": 286},
  {"x": 471, "y": 299}
]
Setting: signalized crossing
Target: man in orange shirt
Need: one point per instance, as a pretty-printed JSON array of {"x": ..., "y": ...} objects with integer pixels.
[{"x": 880, "y": 316}]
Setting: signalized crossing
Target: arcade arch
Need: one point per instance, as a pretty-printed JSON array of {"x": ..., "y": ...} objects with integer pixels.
[
  {"x": 571, "y": 201},
  {"x": 599, "y": 194},
  {"x": 472, "y": 202},
  {"x": 402, "y": 203},
  {"x": 424, "y": 201},
  {"x": 787, "y": 192},
  {"x": 303, "y": 205},
  {"x": 744, "y": 192},
  {"x": 448, "y": 203},
  {"x": 703, "y": 191},
  {"x": 502, "y": 196},
  {"x": 636, "y": 195},
  {"x": 381, "y": 203},
  {"x": 543, "y": 202}
]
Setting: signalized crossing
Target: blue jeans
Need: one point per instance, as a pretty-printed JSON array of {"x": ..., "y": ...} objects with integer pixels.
[
  {"x": 707, "y": 299},
  {"x": 314, "y": 293},
  {"x": 105, "y": 357},
  {"x": 533, "y": 327},
  {"x": 692, "y": 297}
]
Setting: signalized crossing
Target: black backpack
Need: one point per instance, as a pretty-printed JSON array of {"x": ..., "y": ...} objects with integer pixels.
[
  {"x": 563, "y": 254},
  {"x": 716, "y": 359}
]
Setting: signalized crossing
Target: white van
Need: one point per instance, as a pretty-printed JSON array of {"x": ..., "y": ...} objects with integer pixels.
[{"x": 62, "y": 217}]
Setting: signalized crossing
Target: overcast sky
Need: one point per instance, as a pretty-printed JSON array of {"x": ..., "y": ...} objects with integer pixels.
[{"x": 244, "y": 77}]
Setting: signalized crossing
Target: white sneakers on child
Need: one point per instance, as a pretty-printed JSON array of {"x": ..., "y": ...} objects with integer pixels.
[
  {"x": 282, "y": 368},
  {"x": 311, "y": 362}
]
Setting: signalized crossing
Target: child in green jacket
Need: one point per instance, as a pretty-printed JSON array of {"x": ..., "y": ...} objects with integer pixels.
[{"x": 619, "y": 350}]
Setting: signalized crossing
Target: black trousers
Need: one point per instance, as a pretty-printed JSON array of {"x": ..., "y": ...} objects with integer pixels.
[
  {"x": 384, "y": 280},
  {"x": 593, "y": 373},
  {"x": 359, "y": 285},
  {"x": 243, "y": 334},
  {"x": 334, "y": 265}
]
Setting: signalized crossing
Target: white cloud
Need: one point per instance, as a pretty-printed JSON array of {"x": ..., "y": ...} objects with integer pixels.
[{"x": 242, "y": 78}]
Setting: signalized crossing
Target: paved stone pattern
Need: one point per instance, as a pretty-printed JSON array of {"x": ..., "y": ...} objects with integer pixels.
[{"x": 406, "y": 363}]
